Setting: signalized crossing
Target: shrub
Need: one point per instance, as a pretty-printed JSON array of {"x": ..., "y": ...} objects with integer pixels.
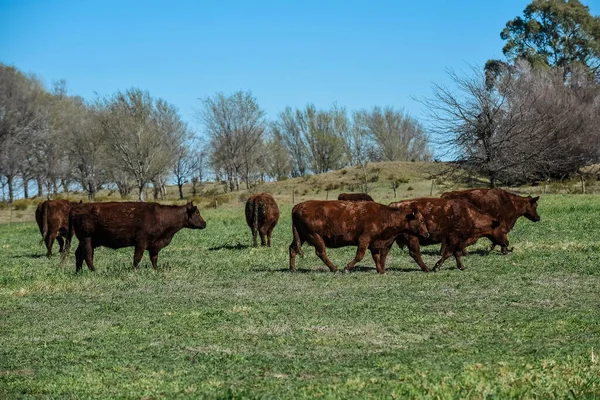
[
  {"x": 243, "y": 197},
  {"x": 410, "y": 188},
  {"x": 374, "y": 178},
  {"x": 3, "y": 205},
  {"x": 21, "y": 204},
  {"x": 282, "y": 178},
  {"x": 344, "y": 172}
]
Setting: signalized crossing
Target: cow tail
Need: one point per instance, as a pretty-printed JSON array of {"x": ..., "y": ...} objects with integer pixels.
[
  {"x": 44, "y": 220},
  {"x": 68, "y": 236},
  {"x": 297, "y": 243},
  {"x": 256, "y": 204}
]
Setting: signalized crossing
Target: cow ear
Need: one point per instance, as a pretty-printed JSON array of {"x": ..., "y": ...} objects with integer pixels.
[
  {"x": 80, "y": 201},
  {"x": 411, "y": 216},
  {"x": 534, "y": 200},
  {"x": 495, "y": 223}
]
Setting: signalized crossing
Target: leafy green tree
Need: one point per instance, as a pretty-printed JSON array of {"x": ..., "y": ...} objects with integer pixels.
[{"x": 556, "y": 33}]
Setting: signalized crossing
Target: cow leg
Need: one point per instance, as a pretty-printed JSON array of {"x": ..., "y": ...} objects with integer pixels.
[
  {"x": 154, "y": 258},
  {"x": 269, "y": 235},
  {"x": 61, "y": 244},
  {"x": 384, "y": 254},
  {"x": 263, "y": 238},
  {"x": 138, "y": 254},
  {"x": 360, "y": 253},
  {"x": 254, "y": 238},
  {"x": 89, "y": 254},
  {"x": 492, "y": 247},
  {"x": 79, "y": 254},
  {"x": 49, "y": 243},
  {"x": 443, "y": 248},
  {"x": 376, "y": 254},
  {"x": 504, "y": 250},
  {"x": 441, "y": 261},
  {"x": 414, "y": 249},
  {"x": 457, "y": 256},
  {"x": 320, "y": 247}
]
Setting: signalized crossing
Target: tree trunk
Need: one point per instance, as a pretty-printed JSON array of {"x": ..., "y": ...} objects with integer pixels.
[
  {"x": 180, "y": 186},
  {"x": 141, "y": 192},
  {"x": 26, "y": 188},
  {"x": 40, "y": 188},
  {"x": 493, "y": 180},
  {"x": 9, "y": 181}
]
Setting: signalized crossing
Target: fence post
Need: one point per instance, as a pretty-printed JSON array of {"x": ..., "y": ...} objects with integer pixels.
[
  {"x": 293, "y": 196},
  {"x": 432, "y": 186}
]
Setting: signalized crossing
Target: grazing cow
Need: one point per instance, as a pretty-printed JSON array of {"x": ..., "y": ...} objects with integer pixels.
[
  {"x": 500, "y": 204},
  {"x": 454, "y": 223},
  {"x": 368, "y": 225},
  {"x": 52, "y": 217},
  {"x": 355, "y": 197},
  {"x": 146, "y": 226},
  {"x": 262, "y": 214}
]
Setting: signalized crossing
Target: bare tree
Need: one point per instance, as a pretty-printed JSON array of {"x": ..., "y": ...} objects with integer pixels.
[
  {"x": 22, "y": 118},
  {"x": 521, "y": 123},
  {"x": 398, "y": 136},
  {"x": 143, "y": 134},
  {"x": 288, "y": 127},
  {"x": 235, "y": 126},
  {"x": 278, "y": 163}
]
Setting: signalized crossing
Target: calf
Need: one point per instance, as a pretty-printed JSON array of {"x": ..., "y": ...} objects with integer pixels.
[
  {"x": 454, "y": 223},
  {"x": 145, "y": 226},
  {"x": 355, "y": 197},
  {"x": 52, "y": 217},
  {"x": 262, "y": 214},
  {"x": 500, "y": 204},
  {"x": 368, "y": 225}
]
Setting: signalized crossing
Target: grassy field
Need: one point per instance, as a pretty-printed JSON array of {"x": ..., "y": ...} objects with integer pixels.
[{"x": 222, "y": 320}]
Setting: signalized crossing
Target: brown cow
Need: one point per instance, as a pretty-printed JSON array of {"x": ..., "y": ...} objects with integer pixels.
[
  {"x": 368, "y": 225},
  {"x": 52, "y": 217},
  {"x": 500, "y": 204},
  {"x": 454, "y": 223},
  {"x": 355, "y": 197},
  {"x": 146, "y": 226},
  {"x": 262, "y": 214}
]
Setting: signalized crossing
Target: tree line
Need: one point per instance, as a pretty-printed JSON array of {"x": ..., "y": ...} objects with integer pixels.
[
  {"x": 131, "y": 141},
  {"x": 535, "y": 116}
]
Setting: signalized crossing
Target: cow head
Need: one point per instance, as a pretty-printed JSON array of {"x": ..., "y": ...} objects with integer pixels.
[
  {"x": 194, "y": 219},
  {"x": 531, "y": 209},
  {"x": 498, "y": 234},
  {"x": 417, "y": 223}
]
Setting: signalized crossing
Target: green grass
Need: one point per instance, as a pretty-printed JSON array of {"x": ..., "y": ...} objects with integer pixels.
[{"x": 223, "y": 320}]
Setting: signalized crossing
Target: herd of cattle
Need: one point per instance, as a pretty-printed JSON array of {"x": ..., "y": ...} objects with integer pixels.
[{"x": 456, "y": 220}]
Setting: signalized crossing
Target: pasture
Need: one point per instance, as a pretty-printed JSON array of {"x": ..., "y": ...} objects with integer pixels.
[{"x": 223, "y": 320}]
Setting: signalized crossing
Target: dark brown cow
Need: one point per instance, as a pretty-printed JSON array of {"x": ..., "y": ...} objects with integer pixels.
[
  {"x": 52, "y": 217},
  {"x": 262, "y": 214},
  {"x": 500, "y": 204},
  {"x": 368, "y": 225},
  {"x": 355, "y": 197},
  {"x": 454, "y": 223},
  {"x": 145, "y": 226}
]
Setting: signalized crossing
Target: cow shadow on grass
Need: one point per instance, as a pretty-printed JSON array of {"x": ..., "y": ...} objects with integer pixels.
[
  {"x": 436, "y": 253},
  {"x": 325, "y": 270},
  {"x": 31, "y": 255},
  {"x": 237, "y": 246}
]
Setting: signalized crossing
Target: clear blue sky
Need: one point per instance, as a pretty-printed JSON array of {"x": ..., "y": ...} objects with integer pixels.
[{"x": 355, "y": 53}]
